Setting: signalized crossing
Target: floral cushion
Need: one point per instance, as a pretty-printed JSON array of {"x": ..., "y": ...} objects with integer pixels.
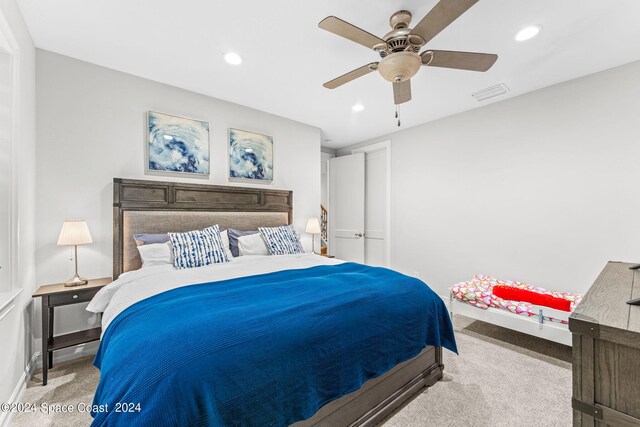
[{"x": 478, "y": 292}]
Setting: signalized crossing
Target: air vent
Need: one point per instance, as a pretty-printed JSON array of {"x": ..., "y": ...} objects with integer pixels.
[{"x": 490, "y": 92}]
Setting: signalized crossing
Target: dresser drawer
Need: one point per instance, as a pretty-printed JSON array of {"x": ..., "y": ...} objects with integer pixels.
[{"x": 72, "y": 297}]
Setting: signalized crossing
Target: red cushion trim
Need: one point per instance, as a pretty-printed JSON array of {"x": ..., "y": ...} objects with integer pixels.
[{"x": 517, "y": 294}]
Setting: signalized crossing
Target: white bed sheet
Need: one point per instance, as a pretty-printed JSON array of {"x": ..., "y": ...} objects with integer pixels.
[{"x": 137, "y": 285}]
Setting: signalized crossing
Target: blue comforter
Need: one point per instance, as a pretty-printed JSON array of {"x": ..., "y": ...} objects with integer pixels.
[{"x": 264, "y": 350}]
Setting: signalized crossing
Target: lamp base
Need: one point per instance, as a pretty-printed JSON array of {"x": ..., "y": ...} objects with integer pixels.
[{"x": 76, "y": 281}]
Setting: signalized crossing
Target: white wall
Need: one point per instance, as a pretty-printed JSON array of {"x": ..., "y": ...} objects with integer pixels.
[
  {"x": 540, "y": 188},
  {"x": 15, "y": 328},
  {"x": 91, "y": 128}
]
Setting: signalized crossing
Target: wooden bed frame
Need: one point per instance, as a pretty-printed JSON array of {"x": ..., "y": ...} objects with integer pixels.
[{"x": 364, "y": 407}]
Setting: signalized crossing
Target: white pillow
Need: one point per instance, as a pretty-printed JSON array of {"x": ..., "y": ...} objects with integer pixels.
[
  {"x": 197, "y": 248},
  {"x": 156, "y": 254},
  {"x": 253, "y": 244},
  {"x": 224, "y": 235},
  {"x": 281, "y": 240}
]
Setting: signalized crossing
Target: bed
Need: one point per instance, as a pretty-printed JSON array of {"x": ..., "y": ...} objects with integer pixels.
[
  {"x": 152, "y": 311},
  {"x": 474, "y": 299}
]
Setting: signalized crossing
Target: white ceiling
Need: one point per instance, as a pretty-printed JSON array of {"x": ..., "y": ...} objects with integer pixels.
[{"x": 287, "y": 57}]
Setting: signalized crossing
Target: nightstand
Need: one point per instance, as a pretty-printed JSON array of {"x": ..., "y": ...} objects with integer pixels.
[{"x": 58, "y": 295}]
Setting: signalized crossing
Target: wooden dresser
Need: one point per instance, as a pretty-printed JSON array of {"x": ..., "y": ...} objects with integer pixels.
[{"x": 606, "y": 350}]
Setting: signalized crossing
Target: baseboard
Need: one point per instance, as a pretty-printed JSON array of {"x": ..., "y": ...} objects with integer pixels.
[
  {"x": 18, "y": 391},
  {"x": 71, "y": 353}
]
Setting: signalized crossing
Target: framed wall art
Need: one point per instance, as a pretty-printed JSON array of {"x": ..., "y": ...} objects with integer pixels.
[
  {"x": 250, "y": 156},
  {"x": 177, "y": 145}
]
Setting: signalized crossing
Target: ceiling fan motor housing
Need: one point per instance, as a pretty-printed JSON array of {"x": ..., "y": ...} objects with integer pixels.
[
  {"x": 400, "y": 19},
  {"x": 401, "y": 39},
  {"x": 399, "y": 66}
]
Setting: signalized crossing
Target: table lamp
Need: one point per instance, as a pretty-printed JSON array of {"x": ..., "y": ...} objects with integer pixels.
[
  {"x": 313, "y": 228},
  {"x": 74, "y": 233}
]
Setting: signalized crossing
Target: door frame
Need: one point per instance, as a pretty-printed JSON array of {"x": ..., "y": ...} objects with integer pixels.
[{"x": 377, "y": 146}]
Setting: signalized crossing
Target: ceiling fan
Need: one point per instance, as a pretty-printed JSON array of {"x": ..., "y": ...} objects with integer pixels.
[{"x": 399, "y": 49}]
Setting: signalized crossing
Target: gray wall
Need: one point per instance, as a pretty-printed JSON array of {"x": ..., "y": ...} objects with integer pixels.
[
  {"x": 540, "y": 188},
  {"x": 91, "y": 128}
]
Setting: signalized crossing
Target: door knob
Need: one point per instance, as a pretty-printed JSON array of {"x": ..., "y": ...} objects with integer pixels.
[{"x": 359, "y": 235}]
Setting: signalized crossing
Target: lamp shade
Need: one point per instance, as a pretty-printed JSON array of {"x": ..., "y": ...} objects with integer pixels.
[
  {"x": 74, "y": 233},
  {"x": 313, "y": 226}
]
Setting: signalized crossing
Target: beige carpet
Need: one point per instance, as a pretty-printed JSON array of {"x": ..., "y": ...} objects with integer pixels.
[
  {"x": 69, "y": 383},
  {"x": 500, "y": 378}
]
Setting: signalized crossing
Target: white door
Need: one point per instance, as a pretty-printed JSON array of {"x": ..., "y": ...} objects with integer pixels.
[
  {"x": 376, "y": 209},
  {"x": 346, "y": 207}
]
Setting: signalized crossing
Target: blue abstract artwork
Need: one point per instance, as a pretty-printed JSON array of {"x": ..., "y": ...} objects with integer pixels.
[
  {"x": 250, "y": 156},
  {"x": 177, "y": 144}
]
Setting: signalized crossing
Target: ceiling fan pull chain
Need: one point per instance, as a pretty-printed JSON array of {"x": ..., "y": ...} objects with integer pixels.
[{"x": 397, "y": 115}]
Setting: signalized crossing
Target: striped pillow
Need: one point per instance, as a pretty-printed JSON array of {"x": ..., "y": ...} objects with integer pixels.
[
  {"x": 281, "y": 240},
  {"x": 198, "y": 248}
]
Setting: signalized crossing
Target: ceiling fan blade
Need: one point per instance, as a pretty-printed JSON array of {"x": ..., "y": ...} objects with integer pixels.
[
  {"x": 348, "y": 31},
  {"x": 471, "y": 61},
  {"x": 401, "y": 92},
  {"x": 439, "y": 18},
  {"x": 351, "y": 75}
]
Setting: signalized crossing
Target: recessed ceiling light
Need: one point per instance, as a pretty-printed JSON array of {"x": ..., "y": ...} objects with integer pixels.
[
  {"x": 528, "y": 32},
  {"x": 233, "y": 58},
  {"x": 358, "y": 107}
]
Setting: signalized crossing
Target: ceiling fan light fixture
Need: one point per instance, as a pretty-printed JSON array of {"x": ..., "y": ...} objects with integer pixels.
[
  {"x": 399, "y": 66},
  {"x": 528, "y": 33},
  {"x": 233, "y": 58},
  {"x": 358, "y": 107}
]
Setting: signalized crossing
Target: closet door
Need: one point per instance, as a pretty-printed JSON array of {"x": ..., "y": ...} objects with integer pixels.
[
  {"x": 5, "y": 170},
  {"x": 346, "y": 207}
]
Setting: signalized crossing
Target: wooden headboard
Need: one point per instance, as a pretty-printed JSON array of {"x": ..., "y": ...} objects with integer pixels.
[{"x": 141, "y": 206}]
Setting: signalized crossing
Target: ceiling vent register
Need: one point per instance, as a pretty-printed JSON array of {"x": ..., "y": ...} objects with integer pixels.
[{"x": 490, "y": 92}]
